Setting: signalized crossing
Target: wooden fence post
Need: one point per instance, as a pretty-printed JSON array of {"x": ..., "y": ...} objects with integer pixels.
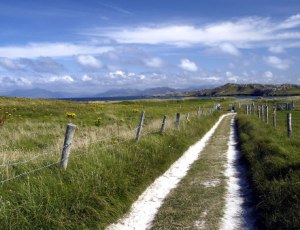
[
  {"x": 177, "y": 120},
  {"x": 289, "y": 124},
  {"x": 163, "y": 125},
  {"x": 267, "y": 114},
  {"x": 263, "y": 113},
  {"x": 70, "y": 130},
  {"x": 139, "y": 130},
  {"x": 202, "y": 110},
  {"x": 259, "y": 110},
  {"x": 253, "y": 108},
  {"x": 198, "y": 112},
  {"x": 274, "y": 117},
  {"x": 187, "y": 117}
]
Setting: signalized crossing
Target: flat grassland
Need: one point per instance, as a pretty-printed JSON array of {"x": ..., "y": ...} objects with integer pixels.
[{"x": 107, "y": 170}]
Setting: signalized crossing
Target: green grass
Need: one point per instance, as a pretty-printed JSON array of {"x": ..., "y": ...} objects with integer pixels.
[
  {"x": 100, "y": 182},
  {"x": 274, "y": 162}
]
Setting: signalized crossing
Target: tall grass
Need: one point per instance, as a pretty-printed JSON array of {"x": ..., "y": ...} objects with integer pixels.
[
  {"x": 101, "y": 182},
  {"x": 274, "y": 162}
]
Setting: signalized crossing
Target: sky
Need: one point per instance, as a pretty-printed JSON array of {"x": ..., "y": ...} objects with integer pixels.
[{"x": 91, "y": 46}]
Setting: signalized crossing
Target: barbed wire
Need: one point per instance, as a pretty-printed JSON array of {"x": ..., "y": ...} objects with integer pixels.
[
  {"x": 25, "y": 161},
  {"x": 149, "y": 132},
  {"x": 27, "y": 173}
]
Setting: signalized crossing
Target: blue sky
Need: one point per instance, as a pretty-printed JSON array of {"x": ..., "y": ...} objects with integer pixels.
[{"x": 87, "y": 47}]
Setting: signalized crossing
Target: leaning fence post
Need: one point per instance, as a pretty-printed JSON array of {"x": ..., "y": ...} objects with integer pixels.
[
  {"x": 187, "y": 117},
  {"x": 267, "y": 114},
  {"x": 177, "y": 120},
  {"x": 163, "y": 125},
  {"x": 70, "y": 130},
  {"x": 274, "y": 117},
  {"x": 289, "y": 124},
  {"x": 139, "y": 130}
]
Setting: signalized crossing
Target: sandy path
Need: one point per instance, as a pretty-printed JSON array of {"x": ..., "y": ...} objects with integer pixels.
[
  {"x": 143, "y": 211},
  {"x": 239, "y": 210}
]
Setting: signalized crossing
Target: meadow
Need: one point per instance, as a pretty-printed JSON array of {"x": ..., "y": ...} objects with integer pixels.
[
  {"x": 107, "y": 170},
  {"x": 274, "y": 166}
]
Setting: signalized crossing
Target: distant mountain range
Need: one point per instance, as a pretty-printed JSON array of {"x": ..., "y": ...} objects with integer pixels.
[
  {"x": 224, "y": 90},
  {"x": 42, "y": 93}
]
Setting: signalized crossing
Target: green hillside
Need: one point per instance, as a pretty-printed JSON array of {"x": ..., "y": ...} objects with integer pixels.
[{"x": 249, "y": 89}]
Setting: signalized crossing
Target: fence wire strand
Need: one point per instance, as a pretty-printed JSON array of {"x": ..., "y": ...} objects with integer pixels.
[
  {"x": 27, "y": 173},
  {"x": 132, "y": 131}
]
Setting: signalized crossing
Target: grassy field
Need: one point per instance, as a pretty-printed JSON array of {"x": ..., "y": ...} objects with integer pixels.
[
  {"x": 106, "y": 171},
  {"x": 274, "y": 162}
]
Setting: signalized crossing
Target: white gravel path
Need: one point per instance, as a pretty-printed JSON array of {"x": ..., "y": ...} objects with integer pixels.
[
  {"x": 143, "y": 211},
  {"x": 239, "y": 209}
]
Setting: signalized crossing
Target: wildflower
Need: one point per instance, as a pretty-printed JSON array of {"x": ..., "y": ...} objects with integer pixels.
[
  {"x": 71, "y": 115},
  {"x": 98, "y": 121}
]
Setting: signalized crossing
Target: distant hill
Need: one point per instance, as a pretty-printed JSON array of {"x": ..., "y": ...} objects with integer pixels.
[
  {"x": 37, "y": 93},
  {"x": 248, "y": 89},
  {"x": 135, "y": 92}
]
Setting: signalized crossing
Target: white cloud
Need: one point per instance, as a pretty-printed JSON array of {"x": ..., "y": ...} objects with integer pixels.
[
  {"x": 291, "y": 22},
  {"x": 188, "y": 65},
  {"x": 229, "y": 49},
  {"x": 211, "y": 78},
  {"x": 117, "y": 74},
  {"x": 153, "y": 62},
  {"x": 34, "y": 50},
  {"x": 9, "y": 64},
  {"x": 89, "y": 61},
  {"x": 64, "y": 79},
  {"x": 268, "y": 74},
  {"x": 231, "y": 77},
  {"x": 243, "y": 33},
  {"x": 86, "y": 78},
  {"x": 276, "y": 49},
  {"x": 276, "y": 62}
]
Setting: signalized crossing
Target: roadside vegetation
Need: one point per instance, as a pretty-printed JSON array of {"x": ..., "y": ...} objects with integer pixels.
[
  {"x": 274, "y": 163},
  {"x": 107, "y": 171}
]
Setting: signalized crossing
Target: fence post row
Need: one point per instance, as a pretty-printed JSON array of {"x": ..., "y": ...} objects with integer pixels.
[
  {"x": 70, "y": 130},
  {"x": 139, "y": 130},
  {"x": 289, "y": 124},
  {"x": 177, "y": 120},
  {"x": 163, "y": 125}
]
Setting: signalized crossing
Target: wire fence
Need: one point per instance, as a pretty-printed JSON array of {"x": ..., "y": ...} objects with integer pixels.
[
  {"x": 283, "y": 118},
  {"x": 117, "y": 140}
]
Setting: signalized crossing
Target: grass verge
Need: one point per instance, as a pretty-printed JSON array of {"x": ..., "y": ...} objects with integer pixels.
[{"x": 274, "y": 163}]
